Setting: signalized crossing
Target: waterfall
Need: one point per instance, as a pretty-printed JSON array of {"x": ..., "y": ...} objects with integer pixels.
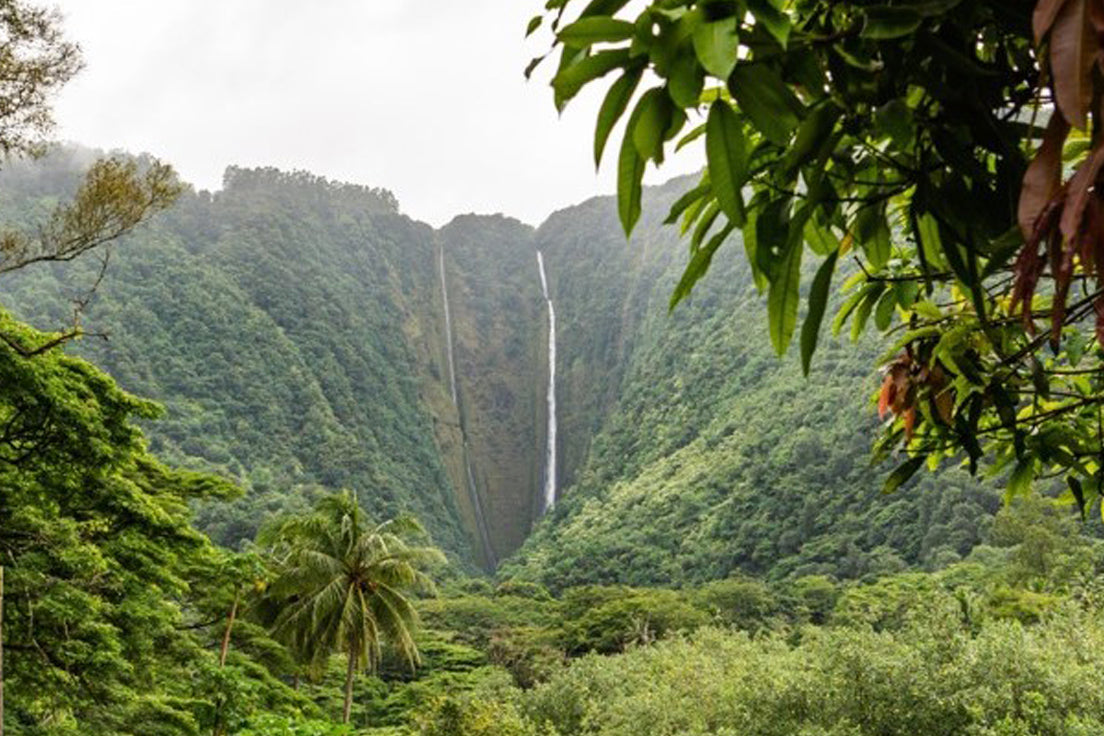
[
  {"x": 473, "y": 491},
  {"x": 448, "y": 325},
  {"x": 550, "y": 462}
]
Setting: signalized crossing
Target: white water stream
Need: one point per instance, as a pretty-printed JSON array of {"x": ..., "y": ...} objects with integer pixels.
[
  {"x": 473, "y": 491},
  {"x": 448, "y": 326},
  {"x": 550, "y": 462}
]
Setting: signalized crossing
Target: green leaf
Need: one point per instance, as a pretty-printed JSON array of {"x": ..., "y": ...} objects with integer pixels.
[
  {"x": 726, "y": 154},
  {"x": 766, "y": 100},
  {"x": 630, "y": 174},
  {"x": 603, "y": 7},
  {"x": 820, "y": 239},
  {"x": 649, "y": 123},
  {"x": 613, "y": 107},
  {"x": 575, "y": 76},
  {"x": 812, "y": 134},
  {"x": 685, "y": 81},
  {"x": 883, "y": 313},
  {"x": 717, "y": 46},
  {"x": 1019, "y": 481},
  {"x": 818, "y": 301},
  {"x": 774, "y": 20},
  {"x": 885, "y": 22},
  {"x": 690, "y": 137},
  {"x": 685, "y": 201},
  {"x": 902, "y": 473},
  {"x": 534, "y": 24},
  {"x": 596, "y": 29},
  {"x": 783, "y": 297},
  {"x": 699, "y": 264}
]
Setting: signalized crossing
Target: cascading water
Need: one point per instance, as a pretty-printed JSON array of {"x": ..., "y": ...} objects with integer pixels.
[
  {"x": 550, "y": 462},
  {"x": 473, "y": 491},
  {"x": 448, "y": 325}
]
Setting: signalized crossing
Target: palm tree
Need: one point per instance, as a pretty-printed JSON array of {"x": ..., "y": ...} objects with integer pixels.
[{"x": 340, "y": 584}]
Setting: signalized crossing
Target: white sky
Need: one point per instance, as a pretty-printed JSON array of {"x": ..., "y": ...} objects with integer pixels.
[{"x": 423, "y": 97}]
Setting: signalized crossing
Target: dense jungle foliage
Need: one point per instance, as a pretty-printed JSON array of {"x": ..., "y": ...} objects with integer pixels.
[{"x": 282, "y": 319}]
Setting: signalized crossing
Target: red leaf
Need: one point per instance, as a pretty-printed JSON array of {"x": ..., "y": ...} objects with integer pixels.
[
  {"x": 1098, "y": 306},
  {"x": 910, "y": 422},
  {"x": 1043, "y": 178},
  {"x": 1080, "y": 190},
  {"x": 1043, "y": 18},
  {"x": 1072, "y": 55},
  {"x": 885, "y": 398}
]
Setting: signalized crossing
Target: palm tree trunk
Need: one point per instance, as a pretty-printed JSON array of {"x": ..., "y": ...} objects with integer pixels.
[{"x": 349, "y": 672}]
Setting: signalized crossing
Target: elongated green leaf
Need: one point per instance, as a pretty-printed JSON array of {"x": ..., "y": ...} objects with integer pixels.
[
  {"x": 685, "y": 201},
  {"x": 685, "y": 81},
  {"x": 699, "y": 264},
  {"x": 603, "y": 7},
  {"x": 650, "y": 119},
  {"x": 783, "y": 297},
  {"x": 818, "y": 301},
  {"x": 534, "y": 24},
  {"x": 811, "y": 135},
  {"x": 762, "y": 95},
  {"x": 613, "y": 107},
  {"x": 630, "y": 173},
  {"x": 575, "y": 76},
  {"x": 902, "y": 473},
  {"x": 1019, "y": 480},
  {"x": 726, "y": 153},
  {"x": 708, "y": 217},
  {"x": 885, "y": 22},
  {"x": 773, "y": 19},
  {"x": 597, "y": 29},
  {"x": 717, "y": 46},
  {"x": 690, "y": 137}
]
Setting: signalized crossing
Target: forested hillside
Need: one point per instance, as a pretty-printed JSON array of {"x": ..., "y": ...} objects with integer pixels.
[{"x": 294, "y": 330}]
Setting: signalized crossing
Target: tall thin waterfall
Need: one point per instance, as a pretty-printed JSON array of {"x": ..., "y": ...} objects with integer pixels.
[
  {"x": 550, "y": 462},
  {"x": 448, "y": 325},
  {"x": 473, "y": 490}
]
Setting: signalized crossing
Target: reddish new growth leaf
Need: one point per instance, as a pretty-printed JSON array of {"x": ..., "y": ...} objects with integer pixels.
[
  {"x": 906, "y": 380},
  {"x": 1065, "y": 218}
]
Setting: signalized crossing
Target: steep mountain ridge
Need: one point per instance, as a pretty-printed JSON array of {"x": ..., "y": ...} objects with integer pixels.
[{"x": 295, "y": 330}]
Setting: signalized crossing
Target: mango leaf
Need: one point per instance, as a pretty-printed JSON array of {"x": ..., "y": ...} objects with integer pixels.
[
  {"x": 534, "y": 24},
  {"x": 902, "y": 473},
  {"x": 774, "y": 20},
  {"x": 603, "y": 7},
  {"x": 630, "y": 174},
  {"x": 783, "y": 297},
  {"x": 649, "y": 123},
  {"x": 1072, "y": 57},
  {"x": 766, "y": 100},
  {"x": 613, "y": 107},
  {"x": 818, "y": 301},
  {"x": 685, "y": 81},
  {"x": 1019, "y": 481},
  {"x": 717, "y": 46},
  {"x": 699, "y": 264},
  {"x": 572, "y": 78},
  {"x": 597, "y": 29},
  {"x": 685, "y": 201},
  {"x": 726, "y": 153},
  {"x": 886, "y": 22},
  {"x": 883, "y": 312}
]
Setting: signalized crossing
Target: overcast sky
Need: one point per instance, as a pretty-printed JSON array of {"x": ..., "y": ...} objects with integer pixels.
[{"x": 423, "y": 97}]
